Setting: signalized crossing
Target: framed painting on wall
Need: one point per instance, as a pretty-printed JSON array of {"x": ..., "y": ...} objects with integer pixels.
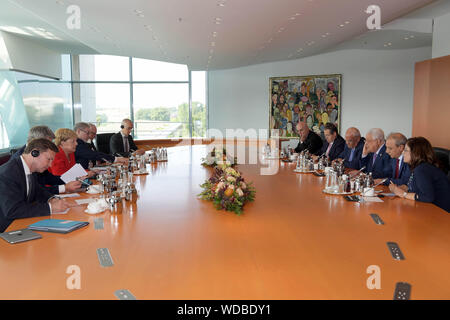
[{"x": 315, "y": 99}]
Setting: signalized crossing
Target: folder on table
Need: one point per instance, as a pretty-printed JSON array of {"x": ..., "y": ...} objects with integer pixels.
[{"x": 58, "y": 226}]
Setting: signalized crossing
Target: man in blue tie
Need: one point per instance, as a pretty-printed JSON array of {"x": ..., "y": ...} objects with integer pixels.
[
  {"x": 374, "y": 156},
  {"x": 353, "y": 148},
  {"x": 395, "y": 144}
]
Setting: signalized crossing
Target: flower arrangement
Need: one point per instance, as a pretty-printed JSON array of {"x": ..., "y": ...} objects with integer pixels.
[
  {"x": 227, "y": 189},
  {"x": 218, "y": 157}
]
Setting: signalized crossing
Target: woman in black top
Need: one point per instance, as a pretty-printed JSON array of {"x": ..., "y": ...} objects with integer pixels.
[{"x": 427, "y": 183}]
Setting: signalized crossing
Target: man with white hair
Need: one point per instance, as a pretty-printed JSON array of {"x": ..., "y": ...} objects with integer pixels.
[
  {"x": 374, "y": 156},
  {"x": 354, "y": 145}
]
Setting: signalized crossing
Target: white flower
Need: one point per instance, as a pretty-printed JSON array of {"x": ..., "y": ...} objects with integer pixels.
[
  {"x": 231, "y": 186},
  {"x": 239, "y": 192},
  {"x": 220, "y": 185},
  {"x": 231, "y": 179},
  {"x": 243, "y": 185}
]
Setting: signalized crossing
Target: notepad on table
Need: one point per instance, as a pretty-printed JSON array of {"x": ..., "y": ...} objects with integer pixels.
[{"x": 58, "y": 226}]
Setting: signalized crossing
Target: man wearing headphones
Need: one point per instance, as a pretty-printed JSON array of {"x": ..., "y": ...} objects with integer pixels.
[
  {"x": 52, "y": 183},
  {"x": 122, "y": 143},
  {"x": 21, "y": 194}
]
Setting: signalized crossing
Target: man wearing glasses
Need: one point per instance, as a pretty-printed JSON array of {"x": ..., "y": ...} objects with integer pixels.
[
  {"x": 84, "y": 153},
  {"x": 122, "y": 144}
]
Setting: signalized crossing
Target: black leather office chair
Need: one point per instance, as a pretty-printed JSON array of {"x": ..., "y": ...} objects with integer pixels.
[
  {"x": 103, "y": 142},
  {"x": 12, "y": 151},
  {"x": 443, "y": 159}
]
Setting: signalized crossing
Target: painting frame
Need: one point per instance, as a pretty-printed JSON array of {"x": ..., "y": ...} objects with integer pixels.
[{"x": 303, "y": 102}]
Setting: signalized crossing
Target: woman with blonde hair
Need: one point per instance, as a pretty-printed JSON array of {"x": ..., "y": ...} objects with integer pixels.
[{"x": 66, "y": 141}]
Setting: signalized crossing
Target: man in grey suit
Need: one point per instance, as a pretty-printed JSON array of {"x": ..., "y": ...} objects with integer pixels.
[{"x": 121, "y": 143}]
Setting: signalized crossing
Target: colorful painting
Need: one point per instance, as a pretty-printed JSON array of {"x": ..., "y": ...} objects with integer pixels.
[{"x": 313, "y": 99}]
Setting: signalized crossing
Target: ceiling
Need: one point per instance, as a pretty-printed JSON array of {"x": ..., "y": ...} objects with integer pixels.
[{"x": 221, "y": 34}]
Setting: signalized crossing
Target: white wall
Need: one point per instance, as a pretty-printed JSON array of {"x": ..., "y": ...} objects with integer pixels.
[
  {"x": 441, "y": 36},
  {"x": 377, "y": 89},
  {"x": 26, "y": 55}
]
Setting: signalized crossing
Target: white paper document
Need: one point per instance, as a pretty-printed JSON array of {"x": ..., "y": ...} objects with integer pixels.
[
  {"x": 73, "y": 173},
  {"x": 69, "y": 195},
  {"x": 372, "y": 199},
  {"x": 84, "y": 201}
]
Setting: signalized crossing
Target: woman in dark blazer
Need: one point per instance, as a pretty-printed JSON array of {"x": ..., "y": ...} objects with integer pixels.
[{"x": 427, "y": 183}]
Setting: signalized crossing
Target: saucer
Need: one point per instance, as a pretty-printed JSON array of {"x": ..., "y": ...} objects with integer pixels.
[{"x": 88, "y": 212}]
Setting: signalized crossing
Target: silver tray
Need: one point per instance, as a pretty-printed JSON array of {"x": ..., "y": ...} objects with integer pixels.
[{"x": 336, "y": 193}]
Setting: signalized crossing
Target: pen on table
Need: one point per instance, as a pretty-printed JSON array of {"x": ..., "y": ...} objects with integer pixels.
[{"x": 78, "y": 179}]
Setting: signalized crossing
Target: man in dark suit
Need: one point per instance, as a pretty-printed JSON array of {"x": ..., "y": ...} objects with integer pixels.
[
  {"x": 374, "y": 156},
  {"x": 400, "y": 171},
  {"x": 308, "y": 140},
  {"x": 21, "y": 194},
  {"x": 354, "y": 145},
  {"x": 121, "y": 143},
  {"x": 92, "y": 135},
  {"x": 334, "y": 143},
  {"x": 52, "y": 183},
  {"x": 83, "y": 152}
]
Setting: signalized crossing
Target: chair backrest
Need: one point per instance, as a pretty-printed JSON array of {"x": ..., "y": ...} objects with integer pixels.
[
  {"x": 12, "y": 151},
  {"x": 4, "y": 157},
  {"x": 103, "y": 142},
  {"x": 443, "y": 159}
]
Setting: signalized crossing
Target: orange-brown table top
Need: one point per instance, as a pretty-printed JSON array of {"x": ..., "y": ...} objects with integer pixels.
[{"x": 293, "y": 242}]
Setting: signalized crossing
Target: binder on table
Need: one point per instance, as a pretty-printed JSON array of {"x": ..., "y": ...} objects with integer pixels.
[{"x": 58, "y": 226}]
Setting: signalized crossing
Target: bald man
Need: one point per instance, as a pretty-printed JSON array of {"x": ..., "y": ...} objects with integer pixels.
[
  {"x": 395, "y": 145},
  {"x": 122, "y": 144},
  {"x": 354, "y": 145},
  {"x": 308, "y": 140}
]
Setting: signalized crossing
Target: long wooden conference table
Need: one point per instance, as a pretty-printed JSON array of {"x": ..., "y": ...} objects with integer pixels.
[{"x": 293, "y": 242}]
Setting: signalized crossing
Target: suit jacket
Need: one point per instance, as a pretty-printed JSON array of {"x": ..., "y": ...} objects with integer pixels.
[
  {"x": 355, "y": 163},
  {"x": 84, "y": 154},
  {"x": 46, "y": 179},
  {"x": 61, "y": 164},
  {"x": 14, "y": 203},
  {"x": 382, "y": 168},
  {"x": 313, "y": 143},
  {"x": 116, "y": 145},
  {"x": 403, "y": 175},
  {"x": 430, "y": 184},
  {"x": 336, "y": 149}
]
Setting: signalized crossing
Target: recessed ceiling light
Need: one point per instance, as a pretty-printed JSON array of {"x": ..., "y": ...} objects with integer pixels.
[
  {"x": 147, "y": 27},
  {"x": 411, "y": 37},
  {"x": 292, "y": 18},
  {"x": 297, "y": 14},
  {"x": 137, "y": 11},
  {"x": 327, "y": 33},
  {"x": 214, "y": 34},
  {"x": 341, "y": 25},
  {"x": 280, "y": 30},
  {"x": 140, "y": 15},
  {"x": 406, "y": 38},
  {"x": 389, "y": 44},
  {"x": 300, "y": 50},
  {"x": 324, "y": 36},
  {"x": 347, "y": 22}
]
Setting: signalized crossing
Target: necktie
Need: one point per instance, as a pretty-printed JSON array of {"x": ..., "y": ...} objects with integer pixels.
[
  {"x": 374, "y": 158},
  {"x": 351, "y": 154},
  {"x": 329, "y": 147},
  {"x": 125, "y": 144},
  {"x": 30, "y": 184},
  {"x": 397, "y": 168}
]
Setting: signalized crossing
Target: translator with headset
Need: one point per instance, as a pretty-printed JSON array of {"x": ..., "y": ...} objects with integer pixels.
[
  {"x": 22, "y": 195},
  {"x": 121, "y": 143}
]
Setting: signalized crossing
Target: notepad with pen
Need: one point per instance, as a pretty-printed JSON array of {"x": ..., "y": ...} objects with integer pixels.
[{"x": 58, "y": 226}]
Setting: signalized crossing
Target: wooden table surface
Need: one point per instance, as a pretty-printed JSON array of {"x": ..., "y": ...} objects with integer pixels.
[{"x": 293, "y": 242}]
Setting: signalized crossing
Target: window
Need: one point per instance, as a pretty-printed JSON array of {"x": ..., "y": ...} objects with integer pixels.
[
  {"x": 106, "y": 104},
  {"x": 151, "y": 70},
  {"x": 199, "y": 116},
  {"x": 161, "y": 110},
  {"x": 104, "y": 68}
]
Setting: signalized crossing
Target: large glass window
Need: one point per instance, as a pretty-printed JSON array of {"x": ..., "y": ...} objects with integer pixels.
[
  {"x": 199, "y": 116},
  {"x": 161, "y": 110},
  {"x": 151, "y": 70},
  {"x": 106, "y": 104},
  {"x": 104, "y": 68}
]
